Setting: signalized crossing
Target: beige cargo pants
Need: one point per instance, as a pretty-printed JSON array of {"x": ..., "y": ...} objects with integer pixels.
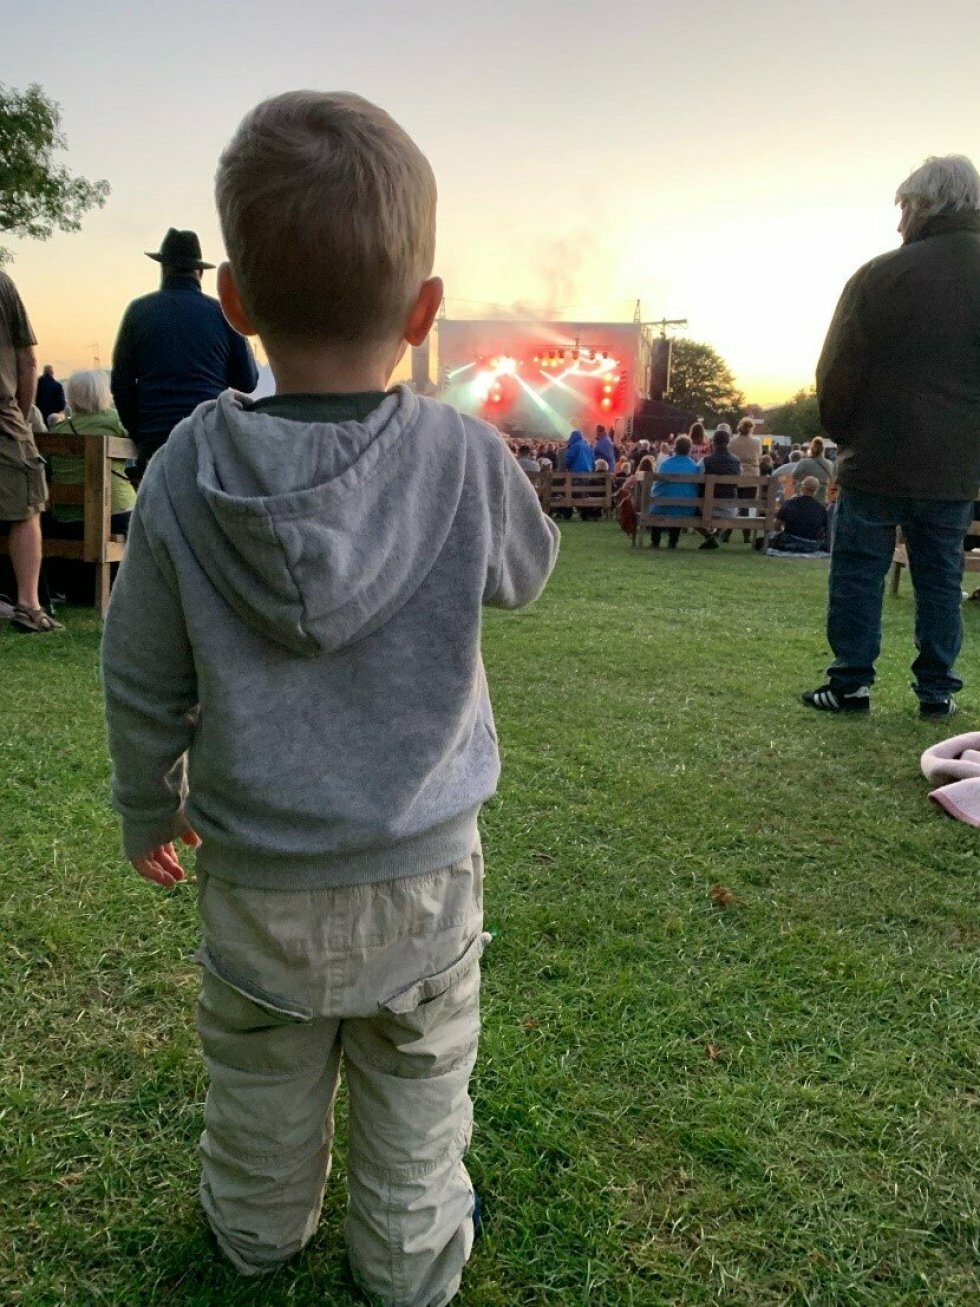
[{"x": 386, "y": 979}]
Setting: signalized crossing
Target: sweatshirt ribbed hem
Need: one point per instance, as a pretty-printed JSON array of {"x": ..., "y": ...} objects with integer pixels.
[{"x": 434, "y": 849}]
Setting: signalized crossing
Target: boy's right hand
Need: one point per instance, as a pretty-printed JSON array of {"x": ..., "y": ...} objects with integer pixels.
[{"x": 162, "y": 865}]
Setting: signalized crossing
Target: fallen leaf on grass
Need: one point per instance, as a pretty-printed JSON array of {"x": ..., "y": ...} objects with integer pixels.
[
  {"x": 543, "y": 857},
  {"x": 714, "y": 1052},
  {"x": 65, "y": 1180},
  {"x": 529, "y": 1023},
  {"x": 721, "y": 896}
]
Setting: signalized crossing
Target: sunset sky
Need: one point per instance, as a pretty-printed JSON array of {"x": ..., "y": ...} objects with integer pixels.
[{"x": 727, "y": 163}]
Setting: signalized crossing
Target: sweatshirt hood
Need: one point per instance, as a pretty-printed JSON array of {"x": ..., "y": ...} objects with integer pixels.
[{"x": 291, "y": 521}]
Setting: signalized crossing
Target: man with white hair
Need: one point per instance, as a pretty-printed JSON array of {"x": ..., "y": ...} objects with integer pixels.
[{"x": 898, "y": 384}]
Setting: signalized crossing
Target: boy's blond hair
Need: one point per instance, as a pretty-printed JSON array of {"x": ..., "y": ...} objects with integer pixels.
[{"x": 327, "y": 210}]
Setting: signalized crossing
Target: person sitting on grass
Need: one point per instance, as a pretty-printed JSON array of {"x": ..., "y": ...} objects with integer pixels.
[
  {"x": 292, "y": 673},
  {"x": 680, "y": 463},
  {"x": 803, "y": 520},
  {"x": 721, "y": 463},
  {"x": 91, "y": 415}
]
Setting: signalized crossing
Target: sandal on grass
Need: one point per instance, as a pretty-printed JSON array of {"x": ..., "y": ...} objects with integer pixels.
[{"x": 33, "y": 621}]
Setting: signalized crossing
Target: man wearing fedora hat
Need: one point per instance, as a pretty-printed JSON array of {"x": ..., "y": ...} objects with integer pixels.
[{"x": 174, "y": 349}]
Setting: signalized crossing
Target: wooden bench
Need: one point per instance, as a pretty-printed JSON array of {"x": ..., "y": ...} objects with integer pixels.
[
  {"x": 900, "y": 558},
  {"x": 576, "y": 490},
  {"x": 707, "y": 511},
  {"x": 98, "y": 546}
]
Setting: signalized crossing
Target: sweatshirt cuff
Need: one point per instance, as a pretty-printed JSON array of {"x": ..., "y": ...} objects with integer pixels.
[{"x": 140, "y": 837}]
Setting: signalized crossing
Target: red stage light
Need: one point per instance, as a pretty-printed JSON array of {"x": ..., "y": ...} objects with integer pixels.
[{"x": 607, "y": 402}]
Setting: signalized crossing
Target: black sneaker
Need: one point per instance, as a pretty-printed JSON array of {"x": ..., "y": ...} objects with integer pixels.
[
  {"x": 827, "y": 699},
  {"x": 933, "y": 709},
  {"x": 710, "y": 543}
]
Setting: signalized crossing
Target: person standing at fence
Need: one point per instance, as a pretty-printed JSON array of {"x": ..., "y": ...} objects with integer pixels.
[
  {"x": 23, "y": 491},
  {"x": 747, "y": 448},
  {"x": 898, "y": 385},
  {"x": 175, "y": 350},
  {"x": 604, "y": 447}
]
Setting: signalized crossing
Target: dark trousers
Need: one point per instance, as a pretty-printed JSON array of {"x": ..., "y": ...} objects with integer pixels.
[
  {"x": 864, "y": 541},
  {"x": 146, "y": 447},
  {"x": 673, "y": 535}
]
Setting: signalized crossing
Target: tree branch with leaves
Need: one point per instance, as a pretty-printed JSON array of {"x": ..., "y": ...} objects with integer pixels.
[
  {"x": 702, "y": 382},
  {"x": 38, "y": 194}
]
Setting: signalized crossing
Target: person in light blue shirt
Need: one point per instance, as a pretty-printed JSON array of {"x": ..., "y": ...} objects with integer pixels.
[{"x": 680, "y": 463}]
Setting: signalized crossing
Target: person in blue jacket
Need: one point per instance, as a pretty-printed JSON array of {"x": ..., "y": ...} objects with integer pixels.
[
  {"x": 604, "y": 447},
  {"x": 578, "y": 454},
  {"x": 579, "y": 457},
  {"x": 679, "y": 463},
  {"x": 175, "y": 350}
]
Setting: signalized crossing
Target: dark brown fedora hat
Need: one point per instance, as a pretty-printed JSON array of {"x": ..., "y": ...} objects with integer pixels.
[{"x": 180, "y": 249}]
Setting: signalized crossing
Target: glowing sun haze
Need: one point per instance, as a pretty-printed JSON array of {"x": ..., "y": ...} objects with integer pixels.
[{"x": 728, "y": 163}]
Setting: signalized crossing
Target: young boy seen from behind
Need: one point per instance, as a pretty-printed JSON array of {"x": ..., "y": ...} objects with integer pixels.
[{"x": 293, "y": 675}]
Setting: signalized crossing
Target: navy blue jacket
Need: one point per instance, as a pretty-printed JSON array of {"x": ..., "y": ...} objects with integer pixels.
[
  {"x": 721, "y": 463},
  {"x": 175, "y": 350},
  {"x": 50, "y": 396}
]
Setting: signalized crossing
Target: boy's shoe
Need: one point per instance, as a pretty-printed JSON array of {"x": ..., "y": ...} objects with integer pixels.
[
  {"x": 933, "y": 709},
  {"x": 827, "y": 699},
  {"x": 710, "y": 543}
]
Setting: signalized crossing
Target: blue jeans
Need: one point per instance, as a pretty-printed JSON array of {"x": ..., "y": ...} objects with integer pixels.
[{"x": 864, "y": 541}]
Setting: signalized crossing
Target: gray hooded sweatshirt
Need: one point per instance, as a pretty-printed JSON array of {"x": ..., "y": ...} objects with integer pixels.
[{"x": 292, "y": 652}]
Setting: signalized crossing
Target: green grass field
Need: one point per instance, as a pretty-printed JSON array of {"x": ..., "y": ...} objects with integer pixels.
[{"x": 770, "y": 1102}]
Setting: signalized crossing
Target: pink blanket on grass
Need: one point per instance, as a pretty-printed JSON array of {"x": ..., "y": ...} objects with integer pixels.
[{"x": 954, "y": 767}]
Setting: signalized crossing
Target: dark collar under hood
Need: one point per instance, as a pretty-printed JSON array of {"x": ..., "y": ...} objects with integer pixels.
[{"x": 315, "y": 534}]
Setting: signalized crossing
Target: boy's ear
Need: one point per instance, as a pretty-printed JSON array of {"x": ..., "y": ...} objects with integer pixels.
[
  {"x": 231, "y": 302},
  {"x": 424, "y": 311}
]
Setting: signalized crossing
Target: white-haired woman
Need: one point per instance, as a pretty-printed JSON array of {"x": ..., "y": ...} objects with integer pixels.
[{"x": 91, "y": 414}]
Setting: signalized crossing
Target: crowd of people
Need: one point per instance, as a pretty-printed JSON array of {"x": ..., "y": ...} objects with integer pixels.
[
  {"x": 291, "y": 660},
  {"x": 796, "y": 465}
]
